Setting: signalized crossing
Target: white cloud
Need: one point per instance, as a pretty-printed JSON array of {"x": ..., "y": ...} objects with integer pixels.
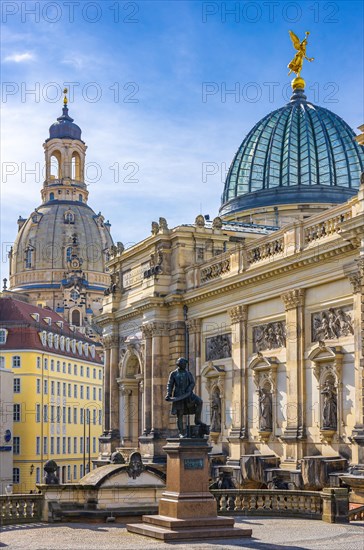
[{"x": 20, "y": 57}]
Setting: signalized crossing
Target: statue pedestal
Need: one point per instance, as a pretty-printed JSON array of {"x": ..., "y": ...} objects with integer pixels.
[{"x": 187, "y": 510}]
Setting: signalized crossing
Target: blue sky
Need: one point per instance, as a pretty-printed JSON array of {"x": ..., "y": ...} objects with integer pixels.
[{"x": 150, "y": 83}]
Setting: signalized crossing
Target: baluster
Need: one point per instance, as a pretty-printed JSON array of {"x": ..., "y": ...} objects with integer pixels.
[
  {"x": 260, "y": 502},
  {"x": 245, "y": 503},
  {"x": 223, "y": 503},
  {"x": 268, "y": 502},
  {"x": 289, "y": 502},
  {"x": 237, "y": 507},
  {"x": 253, "y": 502}
]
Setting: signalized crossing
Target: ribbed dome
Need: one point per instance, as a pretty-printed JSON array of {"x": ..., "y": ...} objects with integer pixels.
[
  {"x": 64, "y": 127},
  {"x": 51, "y": 231},
  {"x": 300, "y": 153}
]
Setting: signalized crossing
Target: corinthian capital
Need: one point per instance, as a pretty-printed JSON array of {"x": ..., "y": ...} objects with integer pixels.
[
  {"x": 110, "y": 341},
  {"x": 356, "y": 281},
  {"x": 293, "y": 298},
  {"x": 238, "y": 314}
]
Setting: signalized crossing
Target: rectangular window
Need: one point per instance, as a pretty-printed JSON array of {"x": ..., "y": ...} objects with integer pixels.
[
  {"x": 68, "y": 473},
  {"x": 64, "y": 388},
  {"x": 75, "y": 370},
  {"x": 64, "y": 445},
  {"x": 37, "y": 445},
  {"x": 45, "y": 445},
  {"x": 81, "y": 445},
  {"x": 16, "y": 361},
  {"x": 52, "y": 445},
  {"x": 81, "y": 370},
  {"x": 87, "y": 372},
  {"x": 87, "y": 444},
  {"x": 69, "y": 368},
  {"x": 45, "y": 387},
  {"x": 94, "y": 412},
  {"x": 52, "y": 413},
  {"x": 81, "y": 470},
  {"x": 16, "y": 445},
  {"x": 37, "y": 475},
  {"x": 64, "y": 368},
  {"x": 37, "y": 412},
  {"x": 74, "y": 472},
  {"x": 64, "y": 415},
  {"x": 69, "y": 415},
  {"x": 58, "y": 388},
  {"x": 94, "y": 445},
  {"x": 2, "y": 362},
  {"x": 75, "y": 390},
  {"x": 38, "y": 385},
  {"x": 16, "y": 475},
  {"x": 81, "y": 416},
  {"x": 69, "y": 450},
  {"x": 100, "y": 374},
  {"x": 58, "y": 445},
  {"x": 38, "y": 362},
  {"x": 100, "y": 417},
  {"x": 52, "y": 387},
  {"x": 81, "y": 392},
  {"x": 94, "y": 373},
  {"x": 75, "y": 445},
  {"x": 94, "y": 394},
  {"x": 16, "y": 385},
  {"x": 45, "y": 413},
  {"x": 58, "y": 366},
  {"x": 100, "y": 394},
  {"x": 45, "y": 364},
  {"x": 74, "y": 415},
  {"x": 87, "y": 392},
  {"x": 52, "y": 364},
  {"x": 69, "y": 390}
]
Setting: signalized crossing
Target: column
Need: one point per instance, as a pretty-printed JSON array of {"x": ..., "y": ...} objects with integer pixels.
[
  {"x": 106, "y": 419},
  {"x": 114, "y": 387},
  {"x": 296, "y": 390},
  {"x": 239, "y": 355},
  {"x": 194, "y": 351},
  {"x": 160, "y": 371},
  {"x": 357, "y": 284},
  {"x": 147, "y": 336}
]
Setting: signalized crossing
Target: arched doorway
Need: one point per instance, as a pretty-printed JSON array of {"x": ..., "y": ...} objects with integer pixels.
[{"x": 131, "y": 400}]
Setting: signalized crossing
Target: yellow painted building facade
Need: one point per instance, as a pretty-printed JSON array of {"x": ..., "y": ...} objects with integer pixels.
[{"x": 58, "y": 395}]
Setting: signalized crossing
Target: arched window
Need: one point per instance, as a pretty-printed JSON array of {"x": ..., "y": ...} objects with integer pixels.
[
  {"x": 76, "y": 167},
  {"x": 51, "y": 196},
  {"x": 69, "y": 217},
  {"x": 80, "y": 198},
  {"x": 55, "y": 165},
  {"x": 76, "y": 318},
  {"x": 28, "y": 258}
]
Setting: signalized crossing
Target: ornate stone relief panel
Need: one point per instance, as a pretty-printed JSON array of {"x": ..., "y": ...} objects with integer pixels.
[
  {"x": 269, "y": 336},
  {"x": 218, "y": 347},
  {"x": 331, "y": 324}
]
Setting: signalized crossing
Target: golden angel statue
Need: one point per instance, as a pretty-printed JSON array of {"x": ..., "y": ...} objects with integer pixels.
[{"x": 295, "y": 66}]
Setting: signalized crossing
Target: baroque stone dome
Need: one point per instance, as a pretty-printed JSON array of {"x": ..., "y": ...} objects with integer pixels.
[{"x": 300, "y": 153}]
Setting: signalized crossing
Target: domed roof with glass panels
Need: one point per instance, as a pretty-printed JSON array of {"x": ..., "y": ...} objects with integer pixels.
[{"x": 300, "y": 153}]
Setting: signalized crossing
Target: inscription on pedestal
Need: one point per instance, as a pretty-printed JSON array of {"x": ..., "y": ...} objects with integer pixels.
[{"x": 193, "y": 463}]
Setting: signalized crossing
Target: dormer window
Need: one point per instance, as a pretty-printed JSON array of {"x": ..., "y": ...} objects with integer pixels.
[
  {"x": 56, "y": 341},
  {"x": 59, "y": 324},
  {"x": 35, "y": 316},
  {"x": 50, "y": 339},
  {"x": 61, "y": 343},
  {"x": 3, "y": 335},
  {"x": 92, "y": 351},
  {"x": 47, "y": 320},
  {"x": 79, "y": 348},
  {"x": 67, "y": 344},
  {"x": 69, "y": 217},
  {"x": 85, "y": 348},
  {"x": 43, "y": 337},
  {"x": 73, "y": 343}
]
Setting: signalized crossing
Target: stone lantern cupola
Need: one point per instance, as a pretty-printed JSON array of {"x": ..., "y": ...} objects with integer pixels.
[{"x": 65, "y": 161}]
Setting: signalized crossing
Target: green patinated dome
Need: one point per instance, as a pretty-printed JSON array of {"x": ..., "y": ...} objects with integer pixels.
[{"x": 300, "y": 153}]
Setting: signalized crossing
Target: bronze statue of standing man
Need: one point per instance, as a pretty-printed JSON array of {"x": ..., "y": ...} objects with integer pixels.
[{"x": 180, "y": 391}]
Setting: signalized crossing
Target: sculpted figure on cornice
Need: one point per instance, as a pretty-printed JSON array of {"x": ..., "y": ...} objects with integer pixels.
[
  {"x": 331, "y": 324},
  {"x": 269, "y": 336},
  {"x": 218, "y": 347}
]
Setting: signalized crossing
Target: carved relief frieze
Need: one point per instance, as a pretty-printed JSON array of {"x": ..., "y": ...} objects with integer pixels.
[
  {"x": 218, "y": 347},
  {"x": 331, "y": 324},
  {"x": 269, "y": 336}
]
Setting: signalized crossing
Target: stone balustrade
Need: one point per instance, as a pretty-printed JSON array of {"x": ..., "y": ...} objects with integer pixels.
[
  {"x": 357, "y": 514},
  {"x": 266, "y": 250},
  {"x": 325, "y": 228},
  {"x": 215, "y": 269},
  {"x": 20, "y": 509}
]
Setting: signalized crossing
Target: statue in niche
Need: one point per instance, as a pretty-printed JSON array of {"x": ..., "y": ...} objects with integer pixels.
[
  {"x": 180, "y": 392},
  {"x": 329, "y": 409},
  {"x": 265, "y": 410},
  {"x": 215, "y": 411}
]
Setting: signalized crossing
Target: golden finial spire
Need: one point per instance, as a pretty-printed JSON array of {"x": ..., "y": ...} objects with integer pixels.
[
  {"x": 65, "y": 100},
  {"x": 295, "y": 66}
]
